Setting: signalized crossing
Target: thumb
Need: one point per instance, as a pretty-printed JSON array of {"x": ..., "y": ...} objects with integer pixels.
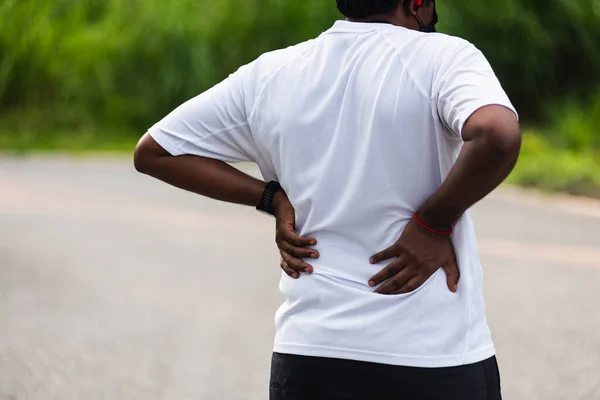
[
  {"x": 452, "y": 274},
  {"x": 289, "y": 217},
  {"x": 289, "y": 220},
  {"x": 285, "y": 215}
]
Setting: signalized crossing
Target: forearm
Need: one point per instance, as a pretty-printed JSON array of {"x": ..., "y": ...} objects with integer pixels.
[
  {"x": 210, "y": 178},
  {"x": 478, "y": 170},
  {"x": 204, "y": 176},
  {"x": 493, "y": 143}
]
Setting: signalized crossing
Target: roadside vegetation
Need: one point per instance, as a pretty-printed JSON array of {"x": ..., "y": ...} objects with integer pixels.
[{"x": 95, "y": 74}]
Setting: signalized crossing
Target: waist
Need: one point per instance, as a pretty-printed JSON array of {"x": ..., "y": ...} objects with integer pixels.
[
  {"x": 325, "y": 316},
  {"x": 348, "y": 266}
]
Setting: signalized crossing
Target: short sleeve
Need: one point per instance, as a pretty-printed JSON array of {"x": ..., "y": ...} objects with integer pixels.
[
  {"x": 213, "y": 124},
  {"x": 464, "y": 83}
]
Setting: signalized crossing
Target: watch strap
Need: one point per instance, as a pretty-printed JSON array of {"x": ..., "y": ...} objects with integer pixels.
[{"x": 266, "y": 203}]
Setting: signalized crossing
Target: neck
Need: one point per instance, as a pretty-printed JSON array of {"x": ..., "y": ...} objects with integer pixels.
[{"x": 382, "y": 19}]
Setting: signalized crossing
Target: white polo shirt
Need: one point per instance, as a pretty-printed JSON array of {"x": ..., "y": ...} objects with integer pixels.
[{"x": 360, "y": 126}]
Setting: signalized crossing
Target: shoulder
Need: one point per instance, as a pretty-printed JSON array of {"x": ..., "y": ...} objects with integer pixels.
[
  {"x": 444, "y": 42},
  {"x": 250, "y": 79},
  {"x": 428, "y": 48},
  {"x": 276, "y": 59},
  {"x": 268, "y": 64}
]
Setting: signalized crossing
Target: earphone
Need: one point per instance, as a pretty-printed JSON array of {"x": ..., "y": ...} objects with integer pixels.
[{"x": 431, "y": 26}]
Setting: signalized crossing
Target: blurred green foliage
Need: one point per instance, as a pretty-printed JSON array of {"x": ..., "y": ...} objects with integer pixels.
[
  {"x": 125, "y": 64},
  {"x": 557, "y": 169},
  {"x": 81, "y": 74},
  {"x": 542, "y": 50},
  {"x": 84, "y": 64}
]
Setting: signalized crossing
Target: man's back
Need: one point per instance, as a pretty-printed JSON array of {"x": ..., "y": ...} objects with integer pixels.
[
  {"x": 349, "y": 124},
  {"x": 346, "y": 125},
  {"x": 360, "y": 126},
  {"x": 358, "y": 136}
]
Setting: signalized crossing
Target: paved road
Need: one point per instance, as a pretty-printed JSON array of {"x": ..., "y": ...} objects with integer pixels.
[{"x": 113, "y": 286}]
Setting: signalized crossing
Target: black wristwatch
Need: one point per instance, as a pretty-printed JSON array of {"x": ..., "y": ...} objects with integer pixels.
[{"x": 266, "y": 204}]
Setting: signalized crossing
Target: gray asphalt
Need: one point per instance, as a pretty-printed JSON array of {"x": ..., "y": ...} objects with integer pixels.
[{"x": 114, "y": 286}]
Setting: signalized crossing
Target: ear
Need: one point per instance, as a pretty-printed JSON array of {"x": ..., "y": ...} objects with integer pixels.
[{"x": 414, "y": 6}]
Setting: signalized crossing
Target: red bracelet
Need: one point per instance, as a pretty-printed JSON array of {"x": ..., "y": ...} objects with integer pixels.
[{"x": 447, "y": 233}]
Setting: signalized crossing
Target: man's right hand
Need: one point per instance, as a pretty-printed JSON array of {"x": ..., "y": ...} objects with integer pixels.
[
  {"x": 417, "y": 255},
  {"x": 293, "y": 248}
]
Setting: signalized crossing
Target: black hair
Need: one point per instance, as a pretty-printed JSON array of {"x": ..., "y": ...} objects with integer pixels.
[{"x": 361, "y": 9}]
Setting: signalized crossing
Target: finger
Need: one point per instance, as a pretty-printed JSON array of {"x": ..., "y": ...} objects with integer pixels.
[
  {"x": 289, "y": 271},
  {"x": 298, "y": 241},
  {"x": 386, "y": 254},
  {"x": 452, "y": 275},
  {"x": 392, "y": 269},
  {"x": 288, "y": 233},
  {"x": 298, "y": 252},
  {"x": 410, "y": 286},
  {"x": 398, "y": 281},
  {"x": 296, "y": 264}
]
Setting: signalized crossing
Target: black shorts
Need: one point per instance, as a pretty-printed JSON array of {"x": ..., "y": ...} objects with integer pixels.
[{"x": 313, "y": 378}]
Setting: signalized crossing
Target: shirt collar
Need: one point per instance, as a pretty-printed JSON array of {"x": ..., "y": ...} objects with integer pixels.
[{"x": 343, "y": 26}]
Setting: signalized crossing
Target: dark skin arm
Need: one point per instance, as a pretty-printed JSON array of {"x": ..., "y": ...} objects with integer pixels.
[
  {"x": 491, "y": 151},
  {"x": 204, "y": 176},
  {"x": 493, "y": 142},
  {"x": 218, "y": 180}
]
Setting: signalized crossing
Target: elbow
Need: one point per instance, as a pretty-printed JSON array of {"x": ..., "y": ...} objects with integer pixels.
[
  {"x": 140, "y": 161},
  {"x": 501, "y": 133},
  {"x": 149, "y": 155},
  {"x": 505, "y": 141},
  {"x": 144, "y": 155},
  {"x": 496, "y": 129}
]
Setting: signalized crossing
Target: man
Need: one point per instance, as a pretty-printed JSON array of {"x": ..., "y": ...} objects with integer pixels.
[{"x": 378, "y": 134}]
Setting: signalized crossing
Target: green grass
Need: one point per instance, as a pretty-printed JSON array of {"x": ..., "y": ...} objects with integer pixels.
[
  {"x": 541, "y": 165},
  {"x": 65, "y": 129},
  {"x": 554, "y": 169},
  {"x": 27, "y": 143}
]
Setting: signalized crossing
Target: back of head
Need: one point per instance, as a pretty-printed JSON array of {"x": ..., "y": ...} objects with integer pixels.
[
  {"x": 364, "y": 9},
  {"x": 360, "y": 9}
]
